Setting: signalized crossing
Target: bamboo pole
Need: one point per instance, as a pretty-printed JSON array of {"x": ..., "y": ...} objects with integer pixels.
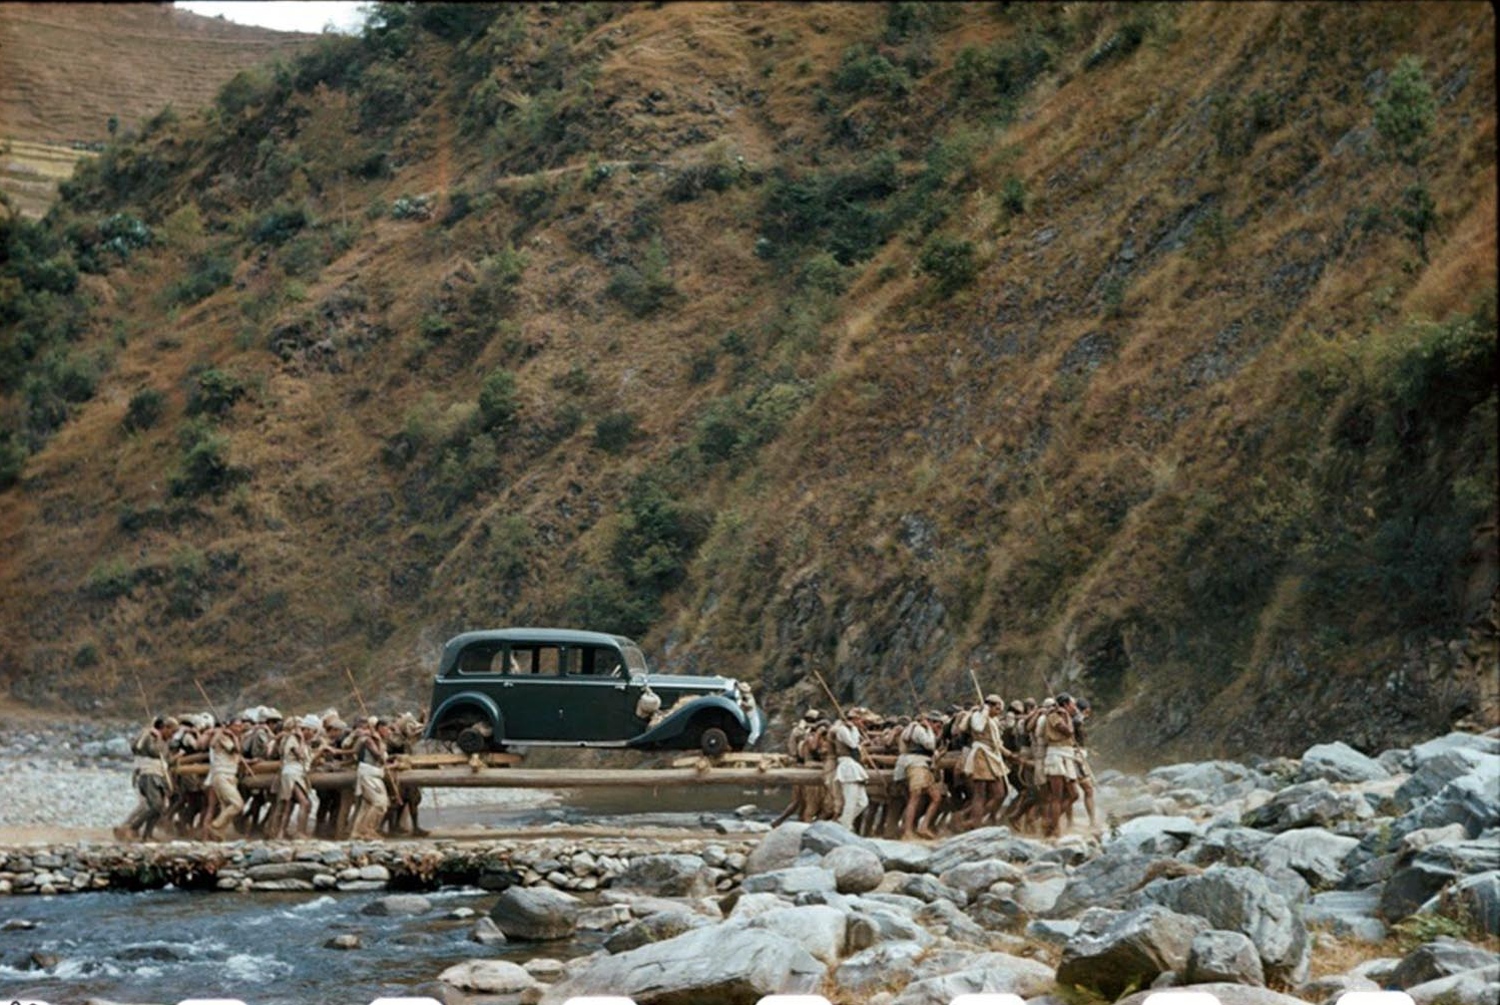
[{"x": 542, "y": 778}]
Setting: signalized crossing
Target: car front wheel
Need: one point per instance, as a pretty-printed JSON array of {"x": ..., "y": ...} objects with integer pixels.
[{"x": 714, "y": 741}]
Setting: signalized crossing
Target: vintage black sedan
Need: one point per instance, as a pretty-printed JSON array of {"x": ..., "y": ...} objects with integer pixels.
[{"x": 524, "y": 687}]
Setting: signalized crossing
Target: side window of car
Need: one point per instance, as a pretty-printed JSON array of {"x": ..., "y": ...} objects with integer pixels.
[
  {"x": 596, "y": 661},
  {"x": 549, "y": 661},
  {"x": 480, "y": 659}
]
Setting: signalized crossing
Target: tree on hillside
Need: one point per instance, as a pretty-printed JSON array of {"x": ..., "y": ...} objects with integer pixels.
[{"x": 1405, "y": 118}]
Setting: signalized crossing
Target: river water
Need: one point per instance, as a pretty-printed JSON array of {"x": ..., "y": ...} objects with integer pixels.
[{"x": 268, "y": 948}]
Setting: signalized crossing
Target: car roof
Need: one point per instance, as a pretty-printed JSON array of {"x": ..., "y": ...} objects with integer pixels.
[{"x": 561, "y": 636}]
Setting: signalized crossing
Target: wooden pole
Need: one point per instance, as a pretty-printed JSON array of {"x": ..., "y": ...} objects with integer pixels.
[
  {"x": 217, "y": 717},
  {"x": 547, "y": 778}
]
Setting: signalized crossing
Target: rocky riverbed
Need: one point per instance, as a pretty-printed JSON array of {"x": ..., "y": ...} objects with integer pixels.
[{"x": 1285, "y": 881}]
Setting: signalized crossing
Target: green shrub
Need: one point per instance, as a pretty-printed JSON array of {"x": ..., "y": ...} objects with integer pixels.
[
  {"x": 204, "y": 467},
  {"x": 12, "y": 459},
  {"x": 144, "y": 411},
  {"x": 499, "y": 279},
  {"x": 1013, "y": 195},
  {"x": 1406, "y": 114},
  {"x": 279, "y": 224},
  {"x": 210, "y": 273},
  {"x": 645, "y": 288},
  {"x": 1418, "y": 215},
  {"x": 614, "y": 432},
  {"x": 213, "y": 392},
  {"x": 110, "y": 579},
  {"x": 864, "y": 71},
  {"x": 388, "y": 97},
  {"x": 838, "y": 210},
  {"x": 499, "y": 401},
  {"x": 822, "y": 272},
  {"x": 952, "y": 262}
]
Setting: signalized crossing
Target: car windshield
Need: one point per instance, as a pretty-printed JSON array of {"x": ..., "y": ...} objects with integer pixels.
[{"x": 635, "y": 660}]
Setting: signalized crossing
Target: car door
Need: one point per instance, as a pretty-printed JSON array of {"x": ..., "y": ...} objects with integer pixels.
[
  {"x": 527, "y": 690},
  {"x": 598, "y": 702}
]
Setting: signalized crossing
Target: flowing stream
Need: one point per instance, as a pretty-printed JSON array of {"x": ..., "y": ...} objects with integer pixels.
[{"x": 269, "y": 948}]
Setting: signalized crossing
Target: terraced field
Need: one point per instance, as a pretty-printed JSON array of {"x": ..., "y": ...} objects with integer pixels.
[{"x": 69, "y": 68}]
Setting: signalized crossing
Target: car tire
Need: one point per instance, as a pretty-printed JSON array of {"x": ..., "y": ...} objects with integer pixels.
[
  {"x": 713, "y": 741},
  {"x": 472, "y": 741}
]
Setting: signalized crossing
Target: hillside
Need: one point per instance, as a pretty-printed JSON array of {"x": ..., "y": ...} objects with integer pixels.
[
  {"x": 73, "y": 72},
  {"x": 1141, "y": 350}
]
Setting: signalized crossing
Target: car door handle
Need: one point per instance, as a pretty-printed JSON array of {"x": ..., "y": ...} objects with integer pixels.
[
  {"x": 506, "y": 683},
  {"x": 619, "y": 687}
]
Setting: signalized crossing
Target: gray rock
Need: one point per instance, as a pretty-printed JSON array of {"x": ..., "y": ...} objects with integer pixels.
[
  {"x": 825, "y": 835},
  {"x": 1472, "y": 987},
  {"x": 973, "y": 878},
  {"x": 1476, "y": 898},
  {"x": 727, "y": 966},
  {"x": 1116, "y": 950},
  {"x": 819, "y": 930},
  {"x": 995, "y": 973},
  {"x": 927, "y": 889},
  {"x": 1339, "y": 762},
  {"x": 1153, "y": 835},
  {"x": 998, "y": 911},
  {"x": 1204, "y": 776},
  {"x": 1230, "y": 845},
  {"x": 902, "y": 856},
  {"x": 397, "y": 905},
  {"x": 1104, "y": 882},
  {"x": 1312, "y": 852},
  {"x": 1442, "y": 957},
  {"x": 1223, "y": 956},
  {"x": 1039, "y": 897},
  {"x": 284, "y": 885},
  {"x": 673, "y": 875},
  {"x": 658, "y": 927},
  {"x": 535, "y": 913},
  {"x": 1052, "y": 930},
  {"x": 948, "y": 919},
  {"x": 984, "y": 843},
  {"x": 877, "y": 968},
  {"x": 490, "y": 977},
  {"x": 1472, "y": 800},
  {"x": 348, "y": 940},
  {"x": 1423, "y": 752},
  {"x": 1309, "y": 804},
  {"x": 790, "y": 882},
  {"x": 307, "y": 871},
  {"x": 1436, "y": 769},
  {"x": 855, "y": 869},
  {"x": 1348, "y": 914},
  {"x": 777, "y": 850},
  {"x": 1409, "y": 888},
  {"x": 1466, "y": 858},
  {"x": 487, "y": 933},
  {"x": 1240, "y": 900},
  {"x": 886, "y": 923}
]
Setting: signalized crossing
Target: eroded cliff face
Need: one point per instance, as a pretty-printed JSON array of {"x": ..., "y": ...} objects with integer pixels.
[{"x": 1128, "y": 350}]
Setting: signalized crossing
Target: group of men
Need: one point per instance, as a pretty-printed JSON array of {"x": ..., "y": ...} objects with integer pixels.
[
  {"x": 1024, "y": 764},
  {"x": 192, "y": 773}
]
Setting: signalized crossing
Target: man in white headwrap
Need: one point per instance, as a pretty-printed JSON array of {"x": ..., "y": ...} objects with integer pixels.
[
  {"x": 848, "y": 774},
  {"x": 370, "y": 755},
  {"x": 295, "y": 749}
]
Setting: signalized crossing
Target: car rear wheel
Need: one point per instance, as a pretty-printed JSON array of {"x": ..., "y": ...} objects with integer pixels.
[
  {"x": 714, "y": 741},
  {"x": 475, "y": 739}
]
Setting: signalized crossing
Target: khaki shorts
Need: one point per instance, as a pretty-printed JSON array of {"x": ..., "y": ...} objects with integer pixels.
[
  {"x": 1060, "y": 764},
  {"x": 919, "y": 778},
  {"x": 371, "y": 787}
]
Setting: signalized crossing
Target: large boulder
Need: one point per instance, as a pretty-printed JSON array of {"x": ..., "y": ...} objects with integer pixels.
[
  {"x": 1436, "y": 769},
  {"x": 1240, "y": 900},
  {"x": 790, "y": 882},
  {"x": 722, "y": 964},
  {"x": 492, "y": 977},
  {"x": 398, "y": 905},
  {"x": 855, "y": 869},
  {"x": 1442, "y": 957},
  {"x": 1315, "y": 854},
  {"x": 1204, "y": 776},
  {"x": 777, "y": 850},
  {"x": 973, "y": 878},
  {"x": 1476, "y": 898},
  {"x": 1472, "y": 987},
  {"x": 1423, "y": 752},
  {"x": 658, "y": 927},
  {"x": 1154, "y": 835},
  {"x": 1348, "y": 914},
  {"x": 984, "y": 843},
  {"x": 1223, "y": 956},
  {"x": 674, "y": 875},
  {"x": 878, "y": 967},
  {"x": 1231, "y": 845},
  {"x": 902, "y": 856},
  {"x": 994, "y": 973},
  {"x": 1117, "y": 950},
  {"x": 818, "y": 929},
  {"x": 1339, "y": 762},
  {"x": 1472, "y": 799},
  {"x": 536, "y": 913},
  {"x": 1104, "y": 882},
  {"x": 1411, "y": 887},
  {"x": 825, "y": 835},
  {"x": 1309, "y": 804}
]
